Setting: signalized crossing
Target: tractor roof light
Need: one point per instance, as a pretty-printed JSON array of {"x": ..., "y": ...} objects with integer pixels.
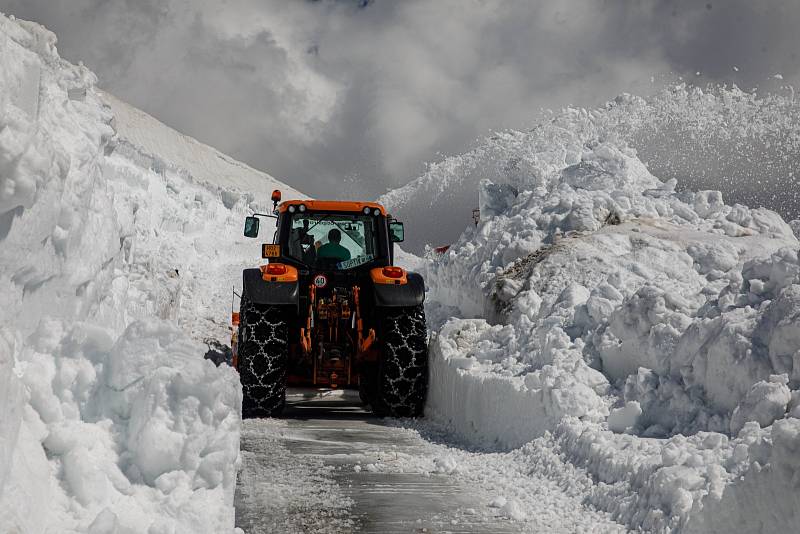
[
  {"x": 301, "y": 208},
  {"x": 291, "y": 209},
  {"x": 276, "y": 197},
  {"x": 366, "y": 210},
  {"x": 393, "y": 272}
]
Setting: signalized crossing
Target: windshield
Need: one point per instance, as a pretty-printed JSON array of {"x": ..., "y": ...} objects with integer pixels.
[{"x": 341, "y": 241}]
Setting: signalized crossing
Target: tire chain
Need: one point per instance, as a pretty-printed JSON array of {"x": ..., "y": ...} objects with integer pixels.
[
  {"x": 404, "y": 376},
  {"x": 263, "y": 356}
]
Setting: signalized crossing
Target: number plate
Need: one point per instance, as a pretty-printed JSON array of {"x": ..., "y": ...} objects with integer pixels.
[
  {"x": 355, "y": 262},
  {"x": 270, "y": 251}
]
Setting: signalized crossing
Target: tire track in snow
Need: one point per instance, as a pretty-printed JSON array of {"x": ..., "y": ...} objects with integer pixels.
[{"x": 278, "y": 491}]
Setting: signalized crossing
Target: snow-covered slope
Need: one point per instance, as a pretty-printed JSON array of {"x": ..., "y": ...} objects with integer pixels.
[
  {"x": 120, "y": 245},
  {"x": 192, "y": 200},
  {"x": 142, "y": 137},
  {"x": 646, "y": 335}
]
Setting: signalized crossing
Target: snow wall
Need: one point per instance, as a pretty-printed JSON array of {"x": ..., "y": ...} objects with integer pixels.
[
  {"x": 116, "y": 261},
  {"x": 651, "y": 333}
]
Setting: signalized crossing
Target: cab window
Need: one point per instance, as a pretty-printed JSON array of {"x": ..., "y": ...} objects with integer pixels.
[{"x": 331, "y": 240}]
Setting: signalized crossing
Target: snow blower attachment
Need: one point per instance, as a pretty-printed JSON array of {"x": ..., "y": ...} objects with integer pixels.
[{"x": 330, "y": 310}]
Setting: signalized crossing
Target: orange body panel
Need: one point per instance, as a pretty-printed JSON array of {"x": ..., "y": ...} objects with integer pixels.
[
  {"x": 379, "y": 277},
  {"x": 289, "y": 276},
  {"x": 332, "y": 205}
]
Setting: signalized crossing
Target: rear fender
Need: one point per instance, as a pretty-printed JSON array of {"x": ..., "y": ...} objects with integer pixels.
[
  {"x": 412, "y": 293},
  {"x": 260, "y": 291}
]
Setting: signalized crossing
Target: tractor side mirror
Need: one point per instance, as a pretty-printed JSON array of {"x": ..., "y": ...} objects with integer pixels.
[
  {"x": 397, "y": 233},
  {"x": 251, "y": 227}
]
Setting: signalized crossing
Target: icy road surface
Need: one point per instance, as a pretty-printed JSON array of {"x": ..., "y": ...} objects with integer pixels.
[{"x": 330, "y": 466}]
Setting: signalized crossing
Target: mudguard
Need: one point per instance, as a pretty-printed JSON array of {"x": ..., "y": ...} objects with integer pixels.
[
  {"x": 410, "y": 294},
  {"x": 261, "y": 292}
]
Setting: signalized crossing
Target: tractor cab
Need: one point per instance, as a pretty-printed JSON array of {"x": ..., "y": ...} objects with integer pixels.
[{"x": 330, "y": 235}]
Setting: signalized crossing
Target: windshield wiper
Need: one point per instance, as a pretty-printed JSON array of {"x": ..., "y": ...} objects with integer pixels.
[{"x": 325, "y": 218}]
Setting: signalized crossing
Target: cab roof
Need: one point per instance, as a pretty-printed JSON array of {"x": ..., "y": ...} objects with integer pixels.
[{"x": 332, "y": 205}]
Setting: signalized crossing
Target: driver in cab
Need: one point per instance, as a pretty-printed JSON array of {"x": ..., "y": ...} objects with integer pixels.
[{"x": 333, "y": 249}]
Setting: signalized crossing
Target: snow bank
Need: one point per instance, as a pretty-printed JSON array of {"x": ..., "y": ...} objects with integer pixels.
[
  {"x": 607, "y": 268},
  {"x": 765, "y": 498},
  {"x": 612, "y": 315},
  {"x": 481, "y": 393},
  {"x": 700, "y": 483},
  {"x": 112, "y": 421},
  {"x": 141, "y": 433}
]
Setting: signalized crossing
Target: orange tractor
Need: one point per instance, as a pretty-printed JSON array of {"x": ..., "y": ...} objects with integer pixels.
[{"x": 330, "y": 310}]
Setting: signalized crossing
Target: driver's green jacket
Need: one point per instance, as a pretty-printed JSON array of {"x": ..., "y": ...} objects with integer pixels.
[{"x": 333, "y": 250}]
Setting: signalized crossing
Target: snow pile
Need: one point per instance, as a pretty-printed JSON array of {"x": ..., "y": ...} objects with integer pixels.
[
  {"x": 141, "y": 433},
  {"x": 111, "y": 417},
  {"x": 607, "y": 311}
]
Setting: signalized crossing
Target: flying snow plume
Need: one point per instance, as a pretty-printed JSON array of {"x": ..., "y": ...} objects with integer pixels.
[{"x": 743, "y": 144}]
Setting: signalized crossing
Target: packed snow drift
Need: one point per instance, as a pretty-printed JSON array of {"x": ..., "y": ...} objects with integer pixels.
[
  {"x": 120, "y": 245},
  {"x": 649, "y": 334}
]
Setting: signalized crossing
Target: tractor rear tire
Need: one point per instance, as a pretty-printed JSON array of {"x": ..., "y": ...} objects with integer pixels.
[
  {"x": 400, "y": 386},
  {"x": 263, "y": 353},
  {"x": 364, "y": 393}
]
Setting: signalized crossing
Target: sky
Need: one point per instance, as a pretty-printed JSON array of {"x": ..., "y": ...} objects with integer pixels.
[{"x": 346, "y": 98}]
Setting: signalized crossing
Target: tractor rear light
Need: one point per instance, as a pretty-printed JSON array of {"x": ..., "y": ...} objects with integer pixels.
[
  {"x": 278, "y": 272},
  {"x": 276, "y": 269},
  {"x": 393, "y": 272}
]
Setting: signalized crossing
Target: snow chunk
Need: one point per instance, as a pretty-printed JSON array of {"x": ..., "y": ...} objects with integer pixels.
[
  {"x": 512, "y": 510},
  {"x": 764, "y": 403},
  {"x": 625, "y": 418},
  {"x": 445, "y": 465},
  {"x": 498, "y": 502}
]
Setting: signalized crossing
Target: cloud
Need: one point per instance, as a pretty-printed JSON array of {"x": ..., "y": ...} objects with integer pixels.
[{"x": 353, "y": 97}]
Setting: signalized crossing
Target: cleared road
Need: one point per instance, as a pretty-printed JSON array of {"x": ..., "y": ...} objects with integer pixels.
[{"x": 329, "y": 466}]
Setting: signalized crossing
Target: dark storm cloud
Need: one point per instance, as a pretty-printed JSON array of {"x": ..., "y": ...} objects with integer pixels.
[{"x": 362, "y": 93}]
